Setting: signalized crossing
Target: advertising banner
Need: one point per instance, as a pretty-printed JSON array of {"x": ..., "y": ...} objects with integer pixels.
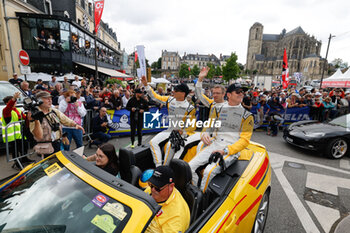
[{"x": 99, "y": 4}]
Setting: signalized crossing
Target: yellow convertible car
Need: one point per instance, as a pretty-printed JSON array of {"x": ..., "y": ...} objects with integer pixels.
[{"x": 65, "y": 193}]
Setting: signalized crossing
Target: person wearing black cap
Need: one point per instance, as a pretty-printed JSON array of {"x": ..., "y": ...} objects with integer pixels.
[
  {"x": 174, "y": 216},
  {"x": 137, "y": 105},
  {"x": 179, "y": 110},
  {"x": 228, "y": 140}
]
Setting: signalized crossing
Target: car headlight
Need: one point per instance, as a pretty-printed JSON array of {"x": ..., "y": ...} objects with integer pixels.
[{"x": 314, "y": 135}]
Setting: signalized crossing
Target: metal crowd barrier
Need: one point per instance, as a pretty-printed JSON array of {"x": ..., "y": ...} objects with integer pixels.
[
  {"x": 23, "y": 141},
  {"x": 87, "y": 123}
]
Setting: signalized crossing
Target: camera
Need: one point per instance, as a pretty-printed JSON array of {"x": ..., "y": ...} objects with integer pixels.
[
  {"x": 73, "y": 99},
  {"x": 31, "y": 105}
]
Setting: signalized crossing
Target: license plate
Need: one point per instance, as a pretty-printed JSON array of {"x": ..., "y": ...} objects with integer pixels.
[{"x": 289, "y": 139}]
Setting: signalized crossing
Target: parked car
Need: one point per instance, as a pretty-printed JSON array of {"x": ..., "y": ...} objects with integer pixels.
[
  {"x": 65, "y": 193},
  {"x": 330, "y": 138},
  {"x": 315, "y": 83},
  {"x": 308, "y": 88}
]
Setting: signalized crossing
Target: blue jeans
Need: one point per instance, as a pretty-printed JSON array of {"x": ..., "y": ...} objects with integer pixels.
[
  {"x": 76, "y": 134},
  {"x": 100, "y": 137}
]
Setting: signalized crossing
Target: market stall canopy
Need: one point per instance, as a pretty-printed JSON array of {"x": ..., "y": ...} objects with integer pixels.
[
  {"x": 110, "y": 72},
  {"x": 159, "y": 80}
]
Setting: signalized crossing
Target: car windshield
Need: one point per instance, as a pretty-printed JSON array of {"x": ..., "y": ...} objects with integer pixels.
[
  {"x": 7, "y": 89},
  {"x": 49, "y": 198},
  {"x": 342, "y": 121}
]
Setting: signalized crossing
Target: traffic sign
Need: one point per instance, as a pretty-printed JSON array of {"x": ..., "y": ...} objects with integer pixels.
[
  {"x": 23, "y": 57},
  {"x": 25, "y": 69}
]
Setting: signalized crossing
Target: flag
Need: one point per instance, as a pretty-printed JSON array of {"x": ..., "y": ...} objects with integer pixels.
[
  {"x": 98, "y": 6},
  {"x": 135, "y": 56},
  {"x": 285, "y": 71}
]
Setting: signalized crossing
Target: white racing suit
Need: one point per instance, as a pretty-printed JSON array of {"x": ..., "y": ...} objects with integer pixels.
[
  {"x": 214, "y": 111},
  {"x": 177, "y": 111},
  {"x": 234, "y": 134}
]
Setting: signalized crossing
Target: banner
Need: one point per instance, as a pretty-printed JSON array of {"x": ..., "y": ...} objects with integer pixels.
[
  {"x": 121, "y": 119},
  {"x": 285, "y": 71},
  {"x": 99, "y": 4},
  {"x": 289, "y": 115},
  {"x": 142, "y": 59}
]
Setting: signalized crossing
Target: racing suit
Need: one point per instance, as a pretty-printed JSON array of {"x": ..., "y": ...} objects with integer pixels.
[
  {"x": 234, "y": 134},
  {"x": 177, "y": 111},
  {"x": 214, "y": 111}
]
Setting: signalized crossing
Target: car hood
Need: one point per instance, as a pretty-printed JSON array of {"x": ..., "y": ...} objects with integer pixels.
[{"x": 318, "y": 127}]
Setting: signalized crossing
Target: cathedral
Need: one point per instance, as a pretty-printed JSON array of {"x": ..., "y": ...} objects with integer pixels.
[{"x": 265, "y": 53}]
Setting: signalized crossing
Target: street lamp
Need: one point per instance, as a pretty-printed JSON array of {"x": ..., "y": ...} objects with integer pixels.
[{"x": 329, "y": 41}]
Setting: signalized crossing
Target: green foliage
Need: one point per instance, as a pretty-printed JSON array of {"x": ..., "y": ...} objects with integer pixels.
[
  {"x": 159, "y": 63},
  {"x": 218, "y": 71},
  {"x": 184, "y": 72},
  {"x": 211, "y": 72},
  {"x": 154, "y": 65},
  {"x": 231, "y": 70},
  {"x": 338, "y": 63},
  {"x": 113, "y": 81},
  {"x": 195, "y": 70}
]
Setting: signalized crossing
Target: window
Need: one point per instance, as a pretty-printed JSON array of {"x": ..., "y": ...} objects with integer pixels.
[
  {"x": 48, "y": 8},
  {"x": 90, "y": 9},
  {"x": 82, "y": 4},
  {"x": 64, "y": 35},
  {"x": 29, "y": 33}
]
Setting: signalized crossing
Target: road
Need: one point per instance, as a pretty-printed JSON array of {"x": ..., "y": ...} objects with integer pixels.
[{"x": 310, "y": 193}]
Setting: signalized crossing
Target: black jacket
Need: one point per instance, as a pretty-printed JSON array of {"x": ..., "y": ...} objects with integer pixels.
[
  {"x": 97, "y": 122},
  {"x": 138, "y": 104}
]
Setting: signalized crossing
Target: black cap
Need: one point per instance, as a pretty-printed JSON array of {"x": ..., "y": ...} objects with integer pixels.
[
  {"x": 138, "y": 90},
  {"x": 162, "y": 176},
  {"x": 182, "y": 88},
  {"x": 236, "y": 86}
]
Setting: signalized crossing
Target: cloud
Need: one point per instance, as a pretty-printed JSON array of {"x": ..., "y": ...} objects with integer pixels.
[{"x": 208, "y": 27}]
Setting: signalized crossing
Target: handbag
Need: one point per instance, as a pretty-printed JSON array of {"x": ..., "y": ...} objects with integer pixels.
[{"x": 44, "y": 148}]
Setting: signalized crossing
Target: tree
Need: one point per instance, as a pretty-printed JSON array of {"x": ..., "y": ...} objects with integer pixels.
[
  {"x": 184, "y": 72},
  {"x": 218, "y": 71},
  {"x": 211, "y": 72},
  {"x": 195, "y": 71},
  {"x": 231, "y": 70},
  {"x": 338, "y": 63},
  {"x": 154, "y": 65},
  {"x": 159, "y": 63}
]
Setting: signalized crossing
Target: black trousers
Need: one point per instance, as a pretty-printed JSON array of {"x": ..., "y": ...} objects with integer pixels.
[{"x": 136, "y": 124}]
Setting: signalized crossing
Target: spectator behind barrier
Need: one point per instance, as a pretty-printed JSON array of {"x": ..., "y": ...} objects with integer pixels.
[{"x": 74, "y": 110}]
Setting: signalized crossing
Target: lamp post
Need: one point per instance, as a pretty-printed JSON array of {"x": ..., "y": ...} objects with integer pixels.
[{"x": 324, "y": 65}]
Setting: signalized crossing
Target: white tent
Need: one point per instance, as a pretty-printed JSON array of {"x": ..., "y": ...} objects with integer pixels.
[
  {"x": 338, "y": 79},
  {"x": 159, "y": 80},
  {"x": 35, "y": 76},
  {"x": 347, "y": 74}
]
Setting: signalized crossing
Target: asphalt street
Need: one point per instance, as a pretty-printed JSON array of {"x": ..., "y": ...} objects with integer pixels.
[{"x": 310, "y": 193}]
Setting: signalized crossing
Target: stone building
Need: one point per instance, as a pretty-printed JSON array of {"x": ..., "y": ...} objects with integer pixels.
[
  {"x": 265, "y": 53},
  {"x": 200, "y": 60}
]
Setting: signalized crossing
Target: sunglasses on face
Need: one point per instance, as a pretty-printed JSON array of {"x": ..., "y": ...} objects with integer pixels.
[
  {"x": 239, "y": 91},
  {"x": 157, "y": 188}
]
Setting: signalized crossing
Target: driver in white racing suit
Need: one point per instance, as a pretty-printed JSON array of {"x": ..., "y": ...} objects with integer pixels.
[
  {"x": 228, "y": 140},
  {"x": 179, "y": 110}
]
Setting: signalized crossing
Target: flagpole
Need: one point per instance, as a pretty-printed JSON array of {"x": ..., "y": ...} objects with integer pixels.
[
  {"x": 325, "y": 62},
  {"x": 95, "y": 38}
]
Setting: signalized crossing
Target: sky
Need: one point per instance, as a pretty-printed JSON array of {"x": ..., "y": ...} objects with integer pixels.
[{"x": 222, "y": 26}]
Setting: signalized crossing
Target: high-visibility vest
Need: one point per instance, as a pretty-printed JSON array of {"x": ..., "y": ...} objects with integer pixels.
[{"x": 13, "y": 131}]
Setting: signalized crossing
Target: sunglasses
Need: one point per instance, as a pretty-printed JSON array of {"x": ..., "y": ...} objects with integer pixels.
[
  {"x": 239, "y": 91},
  {"x": 157, "y": 188}
]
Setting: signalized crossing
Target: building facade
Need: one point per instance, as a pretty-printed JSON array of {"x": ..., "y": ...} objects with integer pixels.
[
  {"x": 265, "y": 53},
  {"x": 58, "y": 36},
  {"x": 200, "y": 60}
]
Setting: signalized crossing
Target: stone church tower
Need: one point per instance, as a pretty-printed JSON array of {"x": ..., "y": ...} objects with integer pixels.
[
  {"x": 265, "y": 53},
  {"x": 254, "y": 44}
]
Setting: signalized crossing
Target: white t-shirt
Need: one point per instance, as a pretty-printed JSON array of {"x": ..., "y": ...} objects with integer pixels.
[{"x": 77, "y": 83}]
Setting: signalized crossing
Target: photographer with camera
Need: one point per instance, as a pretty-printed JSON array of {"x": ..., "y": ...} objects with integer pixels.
[
  {"x": 46, "y": 124},
  {"x": 14, "y": 134},
  {"x": 137, "y": 105},
  {"x": 74, "y": 110}
]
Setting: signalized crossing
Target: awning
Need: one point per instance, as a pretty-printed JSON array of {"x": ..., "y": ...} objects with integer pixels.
[{"x": 109, "y": 72}]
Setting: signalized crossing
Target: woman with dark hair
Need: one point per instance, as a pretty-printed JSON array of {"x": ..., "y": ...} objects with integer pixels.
[{"x": 106, "y": 158}]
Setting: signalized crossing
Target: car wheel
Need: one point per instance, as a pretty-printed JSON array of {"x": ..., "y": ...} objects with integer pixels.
[
  {"x": 261, "y": 215},
  {"x": 337, "y": 148}
]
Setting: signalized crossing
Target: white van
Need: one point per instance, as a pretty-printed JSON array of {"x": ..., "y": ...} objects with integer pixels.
[{"x": 315, "y": 83}]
